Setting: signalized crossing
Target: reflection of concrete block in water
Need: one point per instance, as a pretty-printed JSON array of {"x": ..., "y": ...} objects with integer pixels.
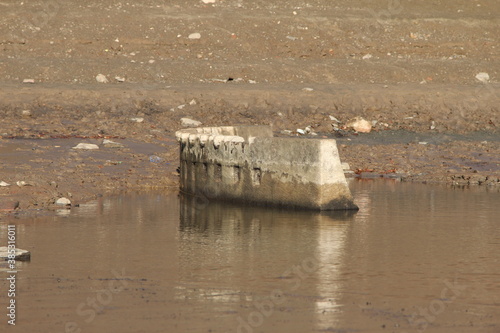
[{"x": 248, "y": 164}]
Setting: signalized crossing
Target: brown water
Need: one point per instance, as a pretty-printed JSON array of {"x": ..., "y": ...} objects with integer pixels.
[{"x": 414, "y": 258}]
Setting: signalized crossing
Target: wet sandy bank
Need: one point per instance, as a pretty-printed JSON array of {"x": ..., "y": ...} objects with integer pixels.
[{"x": 41, "y": 125}]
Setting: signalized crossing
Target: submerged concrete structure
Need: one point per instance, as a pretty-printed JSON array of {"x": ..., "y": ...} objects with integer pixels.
[{"x": 248, "y": 164}]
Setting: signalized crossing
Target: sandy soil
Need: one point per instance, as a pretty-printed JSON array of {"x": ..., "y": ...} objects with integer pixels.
[{"x": 409, "y": 67}]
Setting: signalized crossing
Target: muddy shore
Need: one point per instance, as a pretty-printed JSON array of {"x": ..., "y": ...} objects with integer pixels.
[
  {"x": 411, "y": 71},
  {"x": 37, "y": 145}
]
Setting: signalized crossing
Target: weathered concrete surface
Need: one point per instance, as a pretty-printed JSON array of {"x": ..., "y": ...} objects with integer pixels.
[{"x": 248, "y": 164}]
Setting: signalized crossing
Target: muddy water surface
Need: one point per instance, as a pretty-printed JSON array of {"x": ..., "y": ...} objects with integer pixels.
[{"x": 414, "y": 258}]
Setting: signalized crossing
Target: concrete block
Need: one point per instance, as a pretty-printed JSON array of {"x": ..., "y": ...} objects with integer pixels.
[{"x": 248, "y": 164}]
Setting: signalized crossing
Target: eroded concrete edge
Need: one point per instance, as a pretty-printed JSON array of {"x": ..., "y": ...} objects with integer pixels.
[{"x": 255, "y": 167}]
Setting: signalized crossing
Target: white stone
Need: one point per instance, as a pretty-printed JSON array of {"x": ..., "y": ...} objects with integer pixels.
[
  {"x": 28, "y": 81},
  {"x": 367, "y": 56},
  {"x": 19, "y": 254},
  {"x": 88, "y": 146},
  {"x": 195, "y": 35},
  {"x": 208, "y": 1},
  {"x": 63, "y": 202},
  {"x": 26, "y": 113},
  {"x": 360, "y": 125},
  {"x": 186, "y": 122},
  {"x": 4, "y": 184},
  {"x": 101, "y": 78},
  {"x": 119, "y": 79},
  {"x": 111, "y": 144},
  {"x": 334, "y": 119},
  {"x": 137, "y": 120},
  {"x": 483, "y": 77}
]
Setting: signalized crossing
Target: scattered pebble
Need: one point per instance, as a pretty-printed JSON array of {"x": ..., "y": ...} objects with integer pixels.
[
  {"x": 22, "y": 183},
  {"x": 110, "y": 162},
  {"x": 111, "y": 144},
  {"x": 483, "y": 77},
  {"x": 88, "y": 146},
  {"x": 334, "y": 119},
  {"x": 422, "y": 143},
  {"x": 119, "y": 79},
  {"x": 360, "y": 125},
  {"x": 26, "y": 113},
  {"x": 101, "y": 78},
  {"x": 19, "y": 254},
  {"x": 137, "y": 120},
  {"x": 63, "y": 202},
  {"x": 187, "y": 122},
  {"x": 195, "y": 35},
  {"x": 367, "y": 56},
  {"x": 307, "y": 89},
  {"x": 29, "y": 81},
  {"x": 155, "y": 159}
]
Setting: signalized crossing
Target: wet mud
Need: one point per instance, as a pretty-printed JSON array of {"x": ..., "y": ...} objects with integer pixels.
[{"x": 73, "y": 72}]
